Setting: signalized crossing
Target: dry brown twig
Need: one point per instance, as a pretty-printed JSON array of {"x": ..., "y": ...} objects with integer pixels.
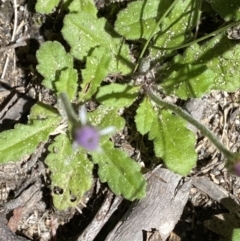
[
  {"x": 12, "y": 46},
  {"x": 15, "y": 45}
]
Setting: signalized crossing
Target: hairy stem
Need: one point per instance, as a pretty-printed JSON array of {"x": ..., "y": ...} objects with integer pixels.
[
  {"x": 72, "y": 117},
  {"x": 203, "y": 129}
]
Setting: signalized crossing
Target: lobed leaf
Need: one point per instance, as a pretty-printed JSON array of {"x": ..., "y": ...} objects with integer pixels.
[
  {"x": 71, "y": 172},
  {"x": 52, "y": 58},
  {"x": 41, "y": 111},
  {"x": 87, "y": 6},
  {"x": 229, "y": 10},
  {"x": 23, "y": 139},
  {"x": 173, "y": 142},
  {"x": 117, "y": 95},
  {"x": 104, "y": 117},
  {"x": 46, "y": 6},
  {"x": 220, "y": 55},
  {"x": 120, "y": 172},
  {"x": 84, "y": 32},
  {"x": 188, "y": 81},
  {"x": 67, "y": 82},
  {"x": 145, "y": 116},
  {"x": 138, "y": 19},
  {"x": 177, "y": 27},
  {"x": 97, "y": 68},
  {"x": 121, "y": 60}
]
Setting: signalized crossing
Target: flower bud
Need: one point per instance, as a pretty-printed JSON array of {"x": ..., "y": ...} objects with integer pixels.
[{"x": 88, "y": 137}]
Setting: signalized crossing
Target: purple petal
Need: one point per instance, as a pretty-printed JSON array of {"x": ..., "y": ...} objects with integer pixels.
[
  {"x": 236, "y": 168},
  {"x": 107, "y": 130},
  {"x": 83, "y": 115},
  {"x": 87, "y": 137}
]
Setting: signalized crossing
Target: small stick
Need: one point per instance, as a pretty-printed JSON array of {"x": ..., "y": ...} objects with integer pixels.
[
  {"x": 15, "y": 20},
  {"x": 105, "y": 212},
  {"x": 12, "y": 46},
  {"x": 12, "y": 38}
]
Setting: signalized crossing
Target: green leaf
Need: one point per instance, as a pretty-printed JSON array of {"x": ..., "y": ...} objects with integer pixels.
[
  {"x": 145, "y": 116},
  {"x": 67, "y": 82},
  {"x": 104, "y": 116},
  {"x": 236, "y": 234},
  {"x": 173, "y": 142},
  {"x": 83, "y": 6},
  {"x": 229, "y": 10},
  {"x": 52, "y": 58},
  {"x": 138, "y": 19},
  {"x": 188, "y": 81},
  {"x": 41, "y": 111},
  {"x": 97, "y": 68},
  {"x": 177, "y": 26},
  {"x": 84, "y": 32},
  {"x": 46, "y": 6},
  {"x": 120, "y": 61},
  {"x": 120, "y": 172},
  {"x": 23, "y": 139},
  {"x": 220, "y": 55},
  {"x": 117, "y": 95},
  {"x": 71, "y": 173}
]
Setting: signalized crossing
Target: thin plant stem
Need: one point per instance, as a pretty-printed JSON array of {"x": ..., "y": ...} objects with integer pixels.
[
  {"x": 198, "y": 20},
  {"x": 153, "y": 32},
  {"x": 214, "y": 33},
  {"x": 203, "y": 129},
  {"x": 72, "y": 117}
]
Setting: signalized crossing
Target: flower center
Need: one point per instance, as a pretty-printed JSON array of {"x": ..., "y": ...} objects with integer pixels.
[{"x": 87, "y": 137}]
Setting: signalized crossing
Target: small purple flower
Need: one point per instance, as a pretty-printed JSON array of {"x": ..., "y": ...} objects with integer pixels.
[
  {"x": 84, "y": 134},
  {"x": 87, "y": 135},
  {"x": 236, "y": 169}
]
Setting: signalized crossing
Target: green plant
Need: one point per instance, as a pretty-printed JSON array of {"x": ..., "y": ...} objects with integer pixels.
[
  {"x": 162, "y": 27},
  {"x": 236, "y": 234}
]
